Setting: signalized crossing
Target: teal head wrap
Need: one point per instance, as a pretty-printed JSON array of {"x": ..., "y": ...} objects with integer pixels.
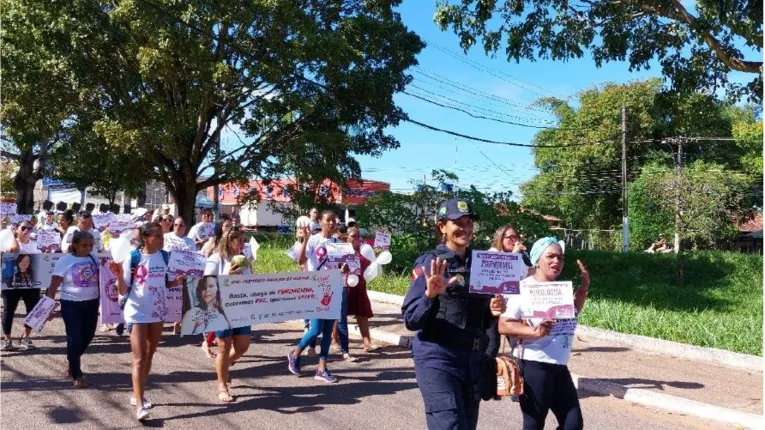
[{"x": 539, "y": 248}]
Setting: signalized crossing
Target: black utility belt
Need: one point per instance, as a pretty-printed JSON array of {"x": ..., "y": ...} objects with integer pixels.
[{"x": 462, "y": 342}]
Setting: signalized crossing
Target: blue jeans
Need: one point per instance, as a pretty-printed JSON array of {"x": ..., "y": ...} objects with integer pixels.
[
  {"x": 80, "y": 321},
  {"x": 318, "y": 326},
  {"x": 342, "y": 323},
  {"x": 239, "y": 331}
]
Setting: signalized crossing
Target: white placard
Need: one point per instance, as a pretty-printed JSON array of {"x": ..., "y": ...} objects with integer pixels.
[
  {"x": 382, "y": 240},
  {"x": 190, "y": 264},
  {"x": 547, "y": 300},
  {"x": 342, "y": 253},
  {"x": 103, "y": 220},
  {"x": 40, "y": 313},
  {"x": 496, "y": 272},
  {"x": 49, "y": 241}
]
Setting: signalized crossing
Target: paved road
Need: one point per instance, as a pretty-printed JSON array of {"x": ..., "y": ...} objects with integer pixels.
[{"x": 378, "y": 392}]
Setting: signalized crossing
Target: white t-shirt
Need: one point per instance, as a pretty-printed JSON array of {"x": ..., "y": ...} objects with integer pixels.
[
  {"x": 316, "y": 251},
  {"x": 175, "y": 243},
  {"x": 202, "y": 230},
  {"x": 98, "y": 244},
  {"x": 218, "y": 266},
  {"x": 147, "y": 301},
  {"x": 79, "y": 277},
  {"x": 29, "y": 248},
  {"x": 43, "y": 226},
  {"x": 554, "y": 348}
]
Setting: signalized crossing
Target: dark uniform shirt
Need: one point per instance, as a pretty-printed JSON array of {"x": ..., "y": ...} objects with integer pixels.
[{"x": 420, "y": 314}]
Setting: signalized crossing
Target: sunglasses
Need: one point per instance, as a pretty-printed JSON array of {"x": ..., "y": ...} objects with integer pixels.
[
  {"x": 167, "y": 220},
  {"x": 180, "y": 225},
  {"x": 25, "y": 228}
]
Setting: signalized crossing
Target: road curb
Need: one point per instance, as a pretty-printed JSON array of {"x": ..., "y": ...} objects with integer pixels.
[
  {"x": 735, "y": 360},
  {"x": 604, "y": 388},
  {"x": 668, "y": 402}
]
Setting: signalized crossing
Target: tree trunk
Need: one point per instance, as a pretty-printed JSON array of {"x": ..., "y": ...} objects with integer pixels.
[
  {"x": 24, "y": 182},
  {"x": 184, "y": 194},
  {"x": 141, "y": 197},
  {"x": 679, "y": 263}
]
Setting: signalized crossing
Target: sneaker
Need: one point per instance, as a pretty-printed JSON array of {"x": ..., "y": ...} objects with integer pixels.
[
  {"x": 120, "y": 329},
  {"x": 142, "y": 414},
  {"x": 26, "y": 343},
  {"x": 146, "y": 404},
  {"x": 81, "y": 382},
  {"x": 8, "y": 345},
  {"x": 349, "y": 358},
  {"x": 324, "y": 375},
  {"x": 293, "y": 363}
]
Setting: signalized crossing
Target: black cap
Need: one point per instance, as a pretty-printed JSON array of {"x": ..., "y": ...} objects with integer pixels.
[{"x": 455, "y": 209}]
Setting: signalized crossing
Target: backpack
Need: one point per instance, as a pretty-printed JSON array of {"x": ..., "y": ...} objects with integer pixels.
[{"x": 135, "y": 259}]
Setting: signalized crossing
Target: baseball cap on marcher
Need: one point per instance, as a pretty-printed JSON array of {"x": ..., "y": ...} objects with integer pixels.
[{"x": 455, "y": 209}]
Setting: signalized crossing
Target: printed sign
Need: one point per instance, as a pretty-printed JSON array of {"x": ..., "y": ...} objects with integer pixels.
[
  {"x": 18, "y": 218},
  {"x": 342, "y": 253},
  {"x": 40, "y": 313},
  {"x": 188, "y": 263},
  {"x": 48, "y": 241},
  {"x": 21, "y": 271},
  {"x": 496, "y": 272},
  {"x": 224, "y": 302},
  {"x": 7, "y": 208},
  {"x": 547, "y": 300},
  {"x": 109, "y": 297},
  {"x": 102, "y": 220},
  {"x": 174, "y": 298},
  {"x": 382, "y": 240},
  {"x": 120, "y": 224}
]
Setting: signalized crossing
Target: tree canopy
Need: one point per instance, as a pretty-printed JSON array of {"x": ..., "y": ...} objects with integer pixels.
[
  {"x": 582, "y": 184},
  {"x": 697, "y": 47},
  {"x": 308, "y": 84}
]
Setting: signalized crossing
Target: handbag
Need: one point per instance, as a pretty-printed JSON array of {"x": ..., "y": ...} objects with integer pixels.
[{"x": 509, "y": 376}]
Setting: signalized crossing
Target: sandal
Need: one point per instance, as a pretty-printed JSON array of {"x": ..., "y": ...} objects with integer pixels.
[
  {"x": 225, "y": 397},
  {"x": 349, "y": 358},
  {"x": 371, "y": 348}
]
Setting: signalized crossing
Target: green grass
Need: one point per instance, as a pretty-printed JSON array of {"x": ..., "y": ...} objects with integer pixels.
[{"x": 719, "y": 306}]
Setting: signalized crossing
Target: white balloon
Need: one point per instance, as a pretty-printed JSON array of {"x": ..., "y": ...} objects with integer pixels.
[
  {"x": 368, "y": 252},
  {"x": 353, "y": 280},
  {"x": 120, "y": 248},
  {"x": 385, "y": 257},
  {"x": 303, "y": 221},
  {"x": 371, "y": 272}
]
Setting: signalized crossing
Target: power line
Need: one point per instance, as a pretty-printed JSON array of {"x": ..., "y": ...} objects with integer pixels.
[
  {"x": 474, "y": 91},
  {"x": 474, "y": 115},
  {"x": 479, "y": 66},
  {"x": 478, "y": 139}
]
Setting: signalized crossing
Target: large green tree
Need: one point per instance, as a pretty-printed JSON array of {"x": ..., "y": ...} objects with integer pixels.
[
  {"x": 697, "y": 47},
  {"x": 309, "y": 83},
  {"x": 582, "y": 184}
]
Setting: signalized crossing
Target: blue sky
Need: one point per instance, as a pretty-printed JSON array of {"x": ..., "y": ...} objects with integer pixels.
[{"x": 423, "y": 150}]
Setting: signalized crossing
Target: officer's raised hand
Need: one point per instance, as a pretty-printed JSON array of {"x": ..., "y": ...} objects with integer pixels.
[{"x": 435, "y": 283}]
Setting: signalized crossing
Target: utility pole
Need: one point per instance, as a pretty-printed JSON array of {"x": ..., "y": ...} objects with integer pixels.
[
  {"x": 216, "y": 197},
  {"x": 625, "y": 215}
]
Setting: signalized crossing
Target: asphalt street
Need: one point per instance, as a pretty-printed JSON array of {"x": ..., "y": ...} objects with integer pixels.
[{"x": 379, "y": 391}]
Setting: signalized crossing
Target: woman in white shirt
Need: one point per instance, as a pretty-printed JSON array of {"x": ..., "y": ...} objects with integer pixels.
[
  {"x": 177, "y": 238},
  {"x": 77, "y": 274},
  {"x": 232, "y": 343},
  {"x": 546, "y": 346},
  {"x": 142, "y": 287},
  {"x": 22, "y": 242}
]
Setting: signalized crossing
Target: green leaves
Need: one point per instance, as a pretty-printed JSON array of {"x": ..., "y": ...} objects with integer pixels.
[{"x": 696, "y": 49}]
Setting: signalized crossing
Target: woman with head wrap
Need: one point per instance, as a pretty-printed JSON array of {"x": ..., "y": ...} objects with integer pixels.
[{"x": 546, "y": 346}]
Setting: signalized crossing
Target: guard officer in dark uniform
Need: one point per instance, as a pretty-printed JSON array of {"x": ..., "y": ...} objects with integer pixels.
[{"x": 449, "y": 349}]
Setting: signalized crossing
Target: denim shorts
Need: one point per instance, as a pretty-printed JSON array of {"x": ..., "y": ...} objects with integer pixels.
[{"x": 239, "y": 331}]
